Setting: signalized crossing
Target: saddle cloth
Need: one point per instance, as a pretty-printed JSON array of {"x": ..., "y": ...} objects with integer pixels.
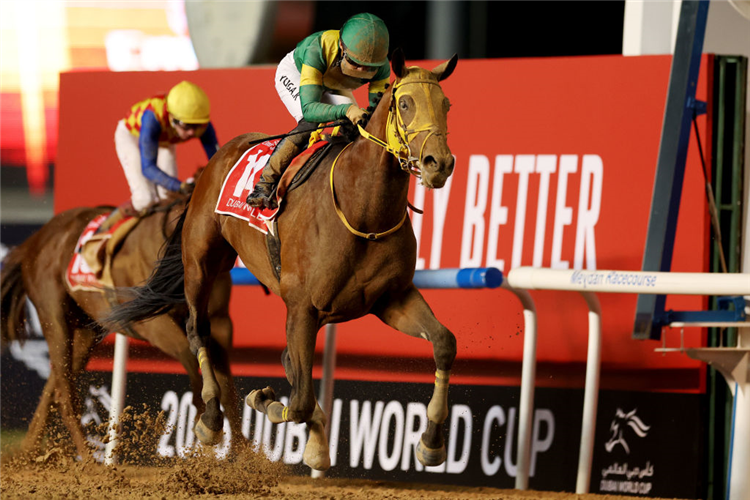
[
  {"x": 89, "y": 259},
  {"x": 242, "y": 178}
]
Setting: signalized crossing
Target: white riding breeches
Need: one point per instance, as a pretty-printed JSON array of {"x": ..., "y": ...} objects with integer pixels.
[
  {"x": 287, "y": 85},
  {"x": 143, "y": 192}
]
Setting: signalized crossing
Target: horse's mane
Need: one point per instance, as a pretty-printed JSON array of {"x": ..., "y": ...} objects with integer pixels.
[{"x": 351, "y": 133}]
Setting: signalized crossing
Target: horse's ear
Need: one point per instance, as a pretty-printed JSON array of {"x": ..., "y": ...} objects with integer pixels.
[
  {"x": 444, "y": 70},
  {"x": 398, "y": 63}
]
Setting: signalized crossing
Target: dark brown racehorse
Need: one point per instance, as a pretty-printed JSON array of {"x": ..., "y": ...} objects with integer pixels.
[
  {"x": 343, "y": 255},
  {"x": 36, "y": 269}
]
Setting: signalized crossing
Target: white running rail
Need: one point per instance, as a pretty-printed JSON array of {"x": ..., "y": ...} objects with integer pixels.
[{"x": 658, "y": 283}]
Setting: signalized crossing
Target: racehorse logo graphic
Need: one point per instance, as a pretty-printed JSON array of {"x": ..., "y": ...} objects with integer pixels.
[{"x": 617, "y": 427}]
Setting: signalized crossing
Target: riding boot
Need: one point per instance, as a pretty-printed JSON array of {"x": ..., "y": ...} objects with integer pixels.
[
  {"x": 118, "y": 214},
  {"x": 264, "y": 193}
]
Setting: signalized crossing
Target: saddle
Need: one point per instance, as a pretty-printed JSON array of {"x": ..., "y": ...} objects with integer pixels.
[
  {"x": 294, "y": 176},
  {"x": 99, "y": 250}
]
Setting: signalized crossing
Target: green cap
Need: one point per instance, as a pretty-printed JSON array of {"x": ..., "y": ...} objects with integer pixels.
[{"x": 365, "y": 38}]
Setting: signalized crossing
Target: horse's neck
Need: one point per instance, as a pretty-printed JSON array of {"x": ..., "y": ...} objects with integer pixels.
[{"x": 371, "y": 187}]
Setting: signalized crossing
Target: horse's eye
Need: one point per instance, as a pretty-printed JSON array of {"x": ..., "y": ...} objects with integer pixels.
[{"x": 403, "y": 104}]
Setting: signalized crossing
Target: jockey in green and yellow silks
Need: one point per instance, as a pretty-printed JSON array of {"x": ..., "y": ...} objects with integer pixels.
[{"x": 315, "y": 82}]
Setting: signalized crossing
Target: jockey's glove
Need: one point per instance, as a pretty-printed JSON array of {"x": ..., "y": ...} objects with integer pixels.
[
  {"x": 186, "y": 187},
  {"x": 355, "y": 114}
]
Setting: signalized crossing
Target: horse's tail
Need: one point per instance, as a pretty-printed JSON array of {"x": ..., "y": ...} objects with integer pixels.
[
  {"x": 13, "y": 297},
  {"x": 163, "y": 290}
]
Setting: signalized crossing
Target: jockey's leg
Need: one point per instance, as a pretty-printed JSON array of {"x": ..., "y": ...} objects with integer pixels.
[
  {"x": 123, "y": 211},
  {"x": 263, "y": 193},
  {"x": 143, "y": 191}
]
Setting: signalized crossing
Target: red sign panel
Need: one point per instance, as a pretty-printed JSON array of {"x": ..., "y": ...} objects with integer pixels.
[{"x": 555, "y": 164}]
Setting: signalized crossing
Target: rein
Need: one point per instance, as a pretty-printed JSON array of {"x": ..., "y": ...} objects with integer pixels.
[
  {"x": 281, "y": 136},
  {"x": 399, "y": 137},
  {"x": 340, "y": 213}
]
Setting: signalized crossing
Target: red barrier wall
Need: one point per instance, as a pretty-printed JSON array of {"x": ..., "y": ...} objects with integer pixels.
[{"x": 514, "y": 126}]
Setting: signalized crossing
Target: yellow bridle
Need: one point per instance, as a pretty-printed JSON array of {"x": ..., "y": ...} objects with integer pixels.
[{"x": 399, "y": 137}]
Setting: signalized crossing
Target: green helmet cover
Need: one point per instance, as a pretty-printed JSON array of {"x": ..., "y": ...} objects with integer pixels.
[{"x": 365, "y": 38}]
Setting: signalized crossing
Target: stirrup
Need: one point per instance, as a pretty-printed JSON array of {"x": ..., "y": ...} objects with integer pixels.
[{"x": 262, "y": 196}]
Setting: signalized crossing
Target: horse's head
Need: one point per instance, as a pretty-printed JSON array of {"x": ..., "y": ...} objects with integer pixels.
[{"x": 418, "y": 121}]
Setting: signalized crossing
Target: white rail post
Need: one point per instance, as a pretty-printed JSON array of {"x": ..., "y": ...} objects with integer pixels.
[
  {"x": 739, "y": 460},
  {"x": 528, "y": 376},
  {"x": 119, "y": 375},
  {"x": 590, "y": 394},
  {"x": 325, "y": 398}
]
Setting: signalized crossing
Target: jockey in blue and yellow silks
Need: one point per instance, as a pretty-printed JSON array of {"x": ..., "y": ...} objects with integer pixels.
[
  {"x": 315, "y": 82},
  {"x": 145, "y": 141}
]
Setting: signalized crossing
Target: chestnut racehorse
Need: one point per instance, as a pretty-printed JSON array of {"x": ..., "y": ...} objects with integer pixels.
[
  {"x": 36, "y": 269},
  {"x": 347, "y": 250}
]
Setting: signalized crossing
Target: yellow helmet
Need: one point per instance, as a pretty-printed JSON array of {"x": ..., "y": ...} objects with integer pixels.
[{"x": 188, "y": 103}]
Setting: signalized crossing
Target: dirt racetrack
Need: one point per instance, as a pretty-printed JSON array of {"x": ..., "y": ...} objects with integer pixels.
[
  {"x": 186, "y": 481},
  {"x": 53, "y": 475}
]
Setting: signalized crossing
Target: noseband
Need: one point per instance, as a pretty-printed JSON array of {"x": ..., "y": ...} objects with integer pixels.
[{"x": 399, "y": 137}]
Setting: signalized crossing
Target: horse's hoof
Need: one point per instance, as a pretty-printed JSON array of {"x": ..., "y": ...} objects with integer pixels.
[
  {"x": 257, "y": 397},
  {"x": 317, "y": 461},
  {"x": 430, "y": 457},
  {"x": 205, "y": 435}
]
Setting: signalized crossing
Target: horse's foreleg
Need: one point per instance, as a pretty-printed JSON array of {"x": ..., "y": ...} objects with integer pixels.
[
  {"x": 317, "y": 452},
  {"x": 409, "y": 313},
  {"x": 297, "y": 359}
]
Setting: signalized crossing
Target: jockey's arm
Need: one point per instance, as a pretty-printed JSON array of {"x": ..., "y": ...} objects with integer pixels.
[
  {"x": 148, "y": 143},
  {"x": 209, "y": 141},
  {"x": 315, "y": 111},
  {"x": 318, "y": 53}
]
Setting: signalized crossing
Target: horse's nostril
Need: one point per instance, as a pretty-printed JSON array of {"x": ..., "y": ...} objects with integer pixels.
[{"x": 429, "y": 160}]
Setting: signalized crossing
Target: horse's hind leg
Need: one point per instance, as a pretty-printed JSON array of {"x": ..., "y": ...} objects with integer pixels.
[
  {"x": 61, "y": 351},
  {"x": 32, "y": 441},
  {"x": 210, "y": 424},
  {"x": 82, "y": 345},
  {"x": 204, "y": 259},
  {"x": 409, "y": 313},
  {"x": 221, "y": 335},
  {"x": 219, "y": 347},
  {"x": 165, "y": 334}
]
